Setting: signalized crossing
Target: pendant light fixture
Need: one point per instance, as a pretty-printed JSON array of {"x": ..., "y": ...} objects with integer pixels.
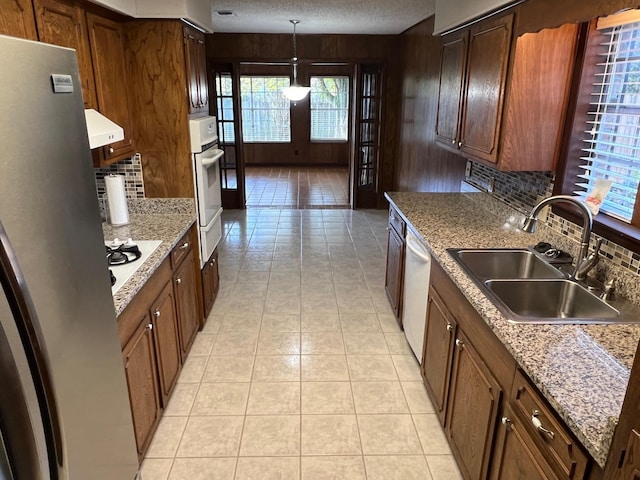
[{"x": 295, "y": 92}]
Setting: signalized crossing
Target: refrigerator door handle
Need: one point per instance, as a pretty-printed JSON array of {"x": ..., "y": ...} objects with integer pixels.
[{"x": 21, "y": 304}]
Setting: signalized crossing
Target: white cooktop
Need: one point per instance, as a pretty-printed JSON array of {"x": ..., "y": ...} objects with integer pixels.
[{"x": 124, "y": 272}]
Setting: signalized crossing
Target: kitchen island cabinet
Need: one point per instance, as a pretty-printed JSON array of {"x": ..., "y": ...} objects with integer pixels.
[
  {"x": 395, "y": 263},
  {"x": 17, "y": 19},
  {"x": 553, "y": 365}
]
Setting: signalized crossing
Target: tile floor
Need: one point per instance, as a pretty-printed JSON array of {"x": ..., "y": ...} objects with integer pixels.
[
  {"x": 299, "y": 187},
  {"x": 301, "y": 371}
]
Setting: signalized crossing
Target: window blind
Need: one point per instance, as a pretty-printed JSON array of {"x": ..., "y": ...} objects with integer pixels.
[
  {"x": 329, "y": 103},
  {"x": 266, "y": 113},
  {"x": 612, "y": 136}
]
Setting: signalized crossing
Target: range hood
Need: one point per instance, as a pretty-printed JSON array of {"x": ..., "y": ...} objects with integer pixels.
[{"x": 101, "y": 130}]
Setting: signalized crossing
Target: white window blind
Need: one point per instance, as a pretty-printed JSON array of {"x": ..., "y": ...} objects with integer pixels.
[
  {"x": 329, "y": 108},
  {"x": 266, "y": 113},
  {"x": 612, "y": 140}
]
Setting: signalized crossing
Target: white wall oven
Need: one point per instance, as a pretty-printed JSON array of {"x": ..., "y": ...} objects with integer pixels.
[{"x": 206, "y": 174}]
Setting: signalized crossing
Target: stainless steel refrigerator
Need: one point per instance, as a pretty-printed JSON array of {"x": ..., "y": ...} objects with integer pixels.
[{"x": 64, "y": 408}]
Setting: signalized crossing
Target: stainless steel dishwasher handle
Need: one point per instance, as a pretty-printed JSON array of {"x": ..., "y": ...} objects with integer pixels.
[{"x": 416, "y": 249}]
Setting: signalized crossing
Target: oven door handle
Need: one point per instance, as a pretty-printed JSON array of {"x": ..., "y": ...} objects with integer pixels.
[{"x": 207, "y": 161}]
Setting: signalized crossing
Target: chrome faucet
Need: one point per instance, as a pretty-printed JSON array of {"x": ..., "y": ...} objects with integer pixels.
[{"x": 584, "y": 262}]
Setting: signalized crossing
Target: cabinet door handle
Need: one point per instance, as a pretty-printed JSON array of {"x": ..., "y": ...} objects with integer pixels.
[
  {"x": 459, "y": 344},
  {"x": 156, "y": 313},
  {"x": 212, "y": 263},
  {"x": 150, "y": 326},
  {"x": 506, "y": 421},
  {"x": 179, "y": 281},
  {"x": 184, "y": 246},
  {"x": 453, "y": 142},
  {"x": 538, "y": 424},
  {"x": 111, "y": 150},
  {"x": 459, "y": 144},
  {"x": 450, "y": 327}
]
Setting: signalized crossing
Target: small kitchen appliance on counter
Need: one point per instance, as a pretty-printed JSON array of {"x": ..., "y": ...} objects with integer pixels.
[
  {"x": 206, "y": 173},
  {"x": 64, "y": 403}
]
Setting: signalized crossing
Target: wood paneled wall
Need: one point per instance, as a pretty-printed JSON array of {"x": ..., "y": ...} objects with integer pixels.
[{"x": 421, "y": 165}]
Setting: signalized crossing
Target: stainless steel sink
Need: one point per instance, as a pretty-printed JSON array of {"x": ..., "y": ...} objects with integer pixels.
[
  {"x": 488, "y": 263},
  {"x": 549, "y": 301}
]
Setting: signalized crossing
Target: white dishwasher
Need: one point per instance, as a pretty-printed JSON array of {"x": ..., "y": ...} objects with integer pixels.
[{"x": 416, "y": 290}]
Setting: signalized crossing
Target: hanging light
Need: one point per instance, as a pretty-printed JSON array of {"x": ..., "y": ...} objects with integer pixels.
[{"x": 295, "y": 92}]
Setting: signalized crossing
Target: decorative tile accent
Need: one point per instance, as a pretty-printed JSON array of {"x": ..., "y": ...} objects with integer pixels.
[{"x": 131, "y": 168}]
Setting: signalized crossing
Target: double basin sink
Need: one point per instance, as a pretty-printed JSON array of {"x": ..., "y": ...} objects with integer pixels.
[{"x": 528, "y": 289}]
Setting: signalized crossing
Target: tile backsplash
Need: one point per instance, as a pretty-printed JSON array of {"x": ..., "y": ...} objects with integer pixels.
[
  {"x": 131, "y": 168},
  {"x": 522, "y": 190}
]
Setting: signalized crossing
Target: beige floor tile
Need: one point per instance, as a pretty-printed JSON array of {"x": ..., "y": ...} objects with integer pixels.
[
  {"x": 212, "y": 325},
  {"x": 274, "y": 398},
  {"x": 407, "y": 367},
  {"x": 319, "y": 305},
  {"x": 398, "y": 344},
  {"x": 330, "y": 435},
  {"x": 324, "y": 368},
  {"x": 359, "y": 322},
  {"x": 320, "y": 322},
  {"x": 243, "y": 306},
  {"x": 322, "y": 343},
  {"x": 379, "y": 397},
  {"x": 416, "y": 395},
  {"x": 268, "y": 468},
  {"x": 443, "y": 467},
  {"x": 203, "y": 344},
  {"x": 181, "y": 400},
  {"x": 365, "y": 343},
  {"x": 276, "y": 368},
  {"x": 278, "y": 343},
  {"x": 345, "y": 291},
  {"x": 238, "y": 322},
  {"x": 388, "y": 322},
  {"x": 156, "y": 468},
  {"x": 202, "y": 469},
  {"x": 388, "y": 435},
  {"x": 228, "y": 368},
  {"x": 333, "y": 468},
  {"x": 319, "y": 290},
  {"x": 401, "y": 467},
  {"x": 369, "y": 368},
  {"x": 271, "y": 435},
  {"x": 167, "y": 437},
  {"x": 235, "y": 343},
  {"x": 431, "y": 435},
  {"x": 356, "y": 305},
  {"x": 274, "y": 322},
  {"x": 215, "y": 436},
  {"x": 314, "y": 276},
  {"x": 327, "y": 398},
  {"x": 282, "y": 304},
  {"x": 221, "y": 399},
  {"x": 192, "y": 370}
]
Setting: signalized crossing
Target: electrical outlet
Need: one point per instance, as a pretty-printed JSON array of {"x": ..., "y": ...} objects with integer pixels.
[
  {"x": 467, "y": 169},
  {"x": 137, "y": 157}
]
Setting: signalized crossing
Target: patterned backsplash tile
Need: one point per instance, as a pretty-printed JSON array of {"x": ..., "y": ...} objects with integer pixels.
[{"x": 131, "y": 168}]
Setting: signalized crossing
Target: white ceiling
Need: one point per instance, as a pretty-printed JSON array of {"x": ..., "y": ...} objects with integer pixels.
[{"x": 375, "y": 17}]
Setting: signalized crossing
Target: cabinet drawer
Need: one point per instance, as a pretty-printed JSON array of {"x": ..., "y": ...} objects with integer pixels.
[
  {"x": 181, "y": 249},
  {"x": 396, "y": 222},
  {"x": 565, "y": 455}
]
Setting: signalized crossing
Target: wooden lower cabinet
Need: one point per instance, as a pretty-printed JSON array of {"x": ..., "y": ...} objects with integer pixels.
[
  {"x": 140, "y": 369},
  {"x": 184, "y": 282},
  {"x": 210, "y": 282},
  {"x": 630, "y": 469},
  {"x": 165, "y": 334},
  {"x": 516, "y": 456},
  {"x": 395, "y": 271}
]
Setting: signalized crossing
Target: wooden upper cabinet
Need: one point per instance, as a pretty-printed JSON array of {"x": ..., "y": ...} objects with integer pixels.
[
  {"x": 61, "y": 23},
  {"x": 17, "y": 19},
  {"x": 107, "y": 52},
  {"x": 452, "y": 66},
  {"x": 487, "y": 61},
  {"x": 513, "y": 94},
  {"x": 196, "y": 67}
]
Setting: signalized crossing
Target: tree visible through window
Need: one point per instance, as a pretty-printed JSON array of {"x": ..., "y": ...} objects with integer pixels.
[
  {"x": 329, "y": 99},
  {"x": 266, "y": 115}
]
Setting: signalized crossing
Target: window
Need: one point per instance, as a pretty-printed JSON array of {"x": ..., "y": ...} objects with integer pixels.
[
  {"x": 612, "y": 141},
  {"x": 224, "y": 104},
  {"x": 266, "y": 114},
  {"x": 329, "y": 100}
]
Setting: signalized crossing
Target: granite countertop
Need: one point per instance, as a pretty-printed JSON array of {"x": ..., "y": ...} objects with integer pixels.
[
  {"x": 151, "y": 219},
  {"x": 582, "y": 370}
]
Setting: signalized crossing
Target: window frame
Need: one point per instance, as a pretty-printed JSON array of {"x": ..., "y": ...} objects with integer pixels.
[
  {"x": 622, "y": 233},
  {"x": 348, "y": 108}
]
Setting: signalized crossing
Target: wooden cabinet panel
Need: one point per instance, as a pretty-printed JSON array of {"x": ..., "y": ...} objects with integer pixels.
[
  {"x": 210, "y": 282},
  {"x": 64, "y": 24},
  {"x": 140, "y": 370},
  {"x": 184, "y": 281},
  {"x": 17, "y": 19},
  {"x": 489, "y": 44},
  {"x": 394, "y": 272},
  {"x": 439, "y": 339},
  {"x": 516, "y": 457},
  {"x": 472, "y": 411},
  {"x": 180, "y": 251},
  {"x": 163, "y": 315},
  {"x": 631, "y": 467},
  {"x": 452, "y": 66},
  {"x": 107, "y": 52},
  {"x": 196, "y": 67}
]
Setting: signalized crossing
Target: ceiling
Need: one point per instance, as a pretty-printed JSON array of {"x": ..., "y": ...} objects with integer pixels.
[{"x": 374, "y": 17}]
